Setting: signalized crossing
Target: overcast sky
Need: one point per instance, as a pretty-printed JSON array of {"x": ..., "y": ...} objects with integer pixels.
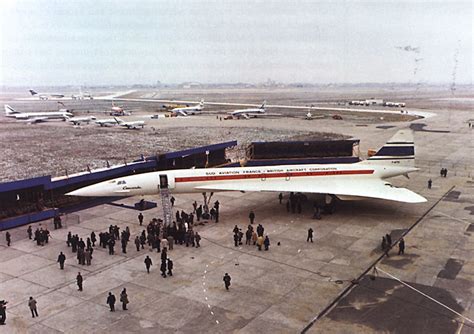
[{"x": 48, "y": 42}]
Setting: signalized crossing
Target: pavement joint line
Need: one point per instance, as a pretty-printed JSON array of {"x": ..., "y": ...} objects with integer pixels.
[
  {"x": 272, "y": 260},
  {"x": 354, "y": 283},
  {"x": 453, "y": 218}
]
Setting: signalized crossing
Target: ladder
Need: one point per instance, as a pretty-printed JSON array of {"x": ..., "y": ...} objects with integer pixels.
[{"x": 167, "y": 211}]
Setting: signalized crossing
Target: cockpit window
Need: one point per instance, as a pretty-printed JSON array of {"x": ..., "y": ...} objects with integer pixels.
[
  {"x": 121, "y": 182},
  {"x": 113, "y": 181}
]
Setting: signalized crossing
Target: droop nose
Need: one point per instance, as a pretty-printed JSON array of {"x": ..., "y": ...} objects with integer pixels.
[{"x": 95, "y": 190}]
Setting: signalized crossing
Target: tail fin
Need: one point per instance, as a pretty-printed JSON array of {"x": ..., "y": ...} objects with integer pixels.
[
  {"x": 399, "y": 150},
  {"x": 118, "y": 120},
  {"x": 9, "y": 110},
  {"x": 32, "y": 92},
  {"x": 263, "y": 104}
]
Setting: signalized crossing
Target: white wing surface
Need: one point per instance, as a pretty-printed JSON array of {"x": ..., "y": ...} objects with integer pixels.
[{"x": 372, "y": 188}]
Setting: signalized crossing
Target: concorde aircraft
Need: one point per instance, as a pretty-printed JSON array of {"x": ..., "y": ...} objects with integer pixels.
[{"x": 346, "y": 181}]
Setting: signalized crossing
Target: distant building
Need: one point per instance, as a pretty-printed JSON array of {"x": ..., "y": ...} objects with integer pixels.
[{"x": 188, "y": 85}]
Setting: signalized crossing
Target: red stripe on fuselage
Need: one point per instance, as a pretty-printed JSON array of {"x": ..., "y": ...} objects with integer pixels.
[{"x": 271, "y": 175}]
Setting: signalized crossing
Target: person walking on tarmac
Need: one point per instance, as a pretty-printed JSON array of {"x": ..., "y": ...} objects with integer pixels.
[
  {"x": 251, "y": 216},
  {"x": 227, "y": 280},
  {"x": 310, "y": 235},
  {"x": 61, "y": 260},
  {"x": 32, "y": 305},
  {"x": 148, "y": 264},
  {"x": 401, "y": 247},
  {"x": 111, "y": 302},
  {"x": 9, "y": 238},
  {"x": 124, "y": 299},
  {"x": 79, "y": 280}
]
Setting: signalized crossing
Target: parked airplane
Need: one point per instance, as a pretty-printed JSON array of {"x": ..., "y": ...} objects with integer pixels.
[
  {"x": 250, "y": 112},
  {"x": 106, "y": 122},
  {"x": 82, "y": 96},
  {"x": 36, "y": 117},
  {"x": 118, "y": 111},
  {"x": 46, "y": 96},
  {"x": 186, "y": 111},
  {"x": 79, "y": 120},
  {"x": 394, "y": 104},
  {"x": 346, "y": 181},
  {"x": 130, "y": 125}
]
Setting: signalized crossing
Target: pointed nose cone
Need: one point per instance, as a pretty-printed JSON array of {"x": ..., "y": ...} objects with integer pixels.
[{"x": 95, "y": 190}]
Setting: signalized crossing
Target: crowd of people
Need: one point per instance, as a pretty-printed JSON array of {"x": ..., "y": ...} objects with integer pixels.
[
  {"x": 156, "y": 236},
  {"x": 252, "y": 236}
]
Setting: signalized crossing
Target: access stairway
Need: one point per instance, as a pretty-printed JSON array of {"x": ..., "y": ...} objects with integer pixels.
[{"x": 167, "y": 211}]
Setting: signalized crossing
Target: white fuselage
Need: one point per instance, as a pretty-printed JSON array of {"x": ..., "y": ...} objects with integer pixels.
[
  {"x": 106, "y": 122},
  {"x": 194, "y": 180},
  {"x": 248, "y": 111},
  {"x": 78, "y": 120},
  {"x": 188, "y": 110},
  {"x": 47, "y": 115}
]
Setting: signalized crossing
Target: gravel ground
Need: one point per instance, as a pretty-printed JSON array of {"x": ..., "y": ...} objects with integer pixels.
[{"x": 54, "y": 147}]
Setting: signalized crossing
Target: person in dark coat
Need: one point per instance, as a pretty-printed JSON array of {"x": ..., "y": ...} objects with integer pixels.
[
  {"x": 248, "y": 236},
  {"x": 163, "y": 268},
  {"x": 93, "y": 238},
  {"x": 61, "y": 260},
  {"x": 30, "y": 232},
  {"x": 227, "y": 280},
  {"x": 164, "y": 254},
  {"x": 79, "y": 281},
  {"x": 389, "y": 240},
  {"x": 236, "y": 239},
  {"x": 266, "y": 242},
  {"x": 430, "y": 183},
  {"x": 124, "y": 299},
  {"x": 170, "y": 267},
  {"x": 148, "y": 263},
  {"x": 32, "y": 305},
  {"x": 111, "y": 302},
  {"x": 137, "y": 243},
  {"x": 280, "y": 197},
  {"x": 310, "y": 235},
  {"x": 111, "y": 245},
  {"x": 401, "y": 247},
  {"x": 8, "y": 237},
  {"x": 140, "y": 218},
  {"x": 251, "y": 216}
]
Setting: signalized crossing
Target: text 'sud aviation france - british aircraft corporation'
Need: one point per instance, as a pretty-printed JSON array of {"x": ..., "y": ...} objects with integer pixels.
[{"x": 346, "y": 181}]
